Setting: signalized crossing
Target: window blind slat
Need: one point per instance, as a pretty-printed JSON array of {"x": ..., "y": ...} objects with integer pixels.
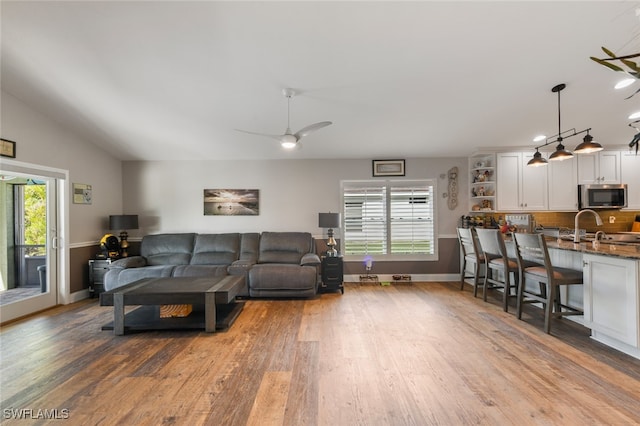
[{"x": 365, "y": 220}]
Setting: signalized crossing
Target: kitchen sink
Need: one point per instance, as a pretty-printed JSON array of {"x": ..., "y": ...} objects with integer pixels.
[
  {"x": 613, "y": 238},
  {"x": 621, "y": 237}
]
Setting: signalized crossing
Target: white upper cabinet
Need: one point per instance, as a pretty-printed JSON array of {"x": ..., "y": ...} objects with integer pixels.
[
  {"x": 519, "y": 187},
  {"x": 563, "y": 185},
  {"x": 507, "y": 180},
  {"x": 630, "y": 167},
  {"x": 600, "y": 167}
]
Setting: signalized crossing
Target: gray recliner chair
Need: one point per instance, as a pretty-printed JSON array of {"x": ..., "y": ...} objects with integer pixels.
[{"x": 287, "y": 266}]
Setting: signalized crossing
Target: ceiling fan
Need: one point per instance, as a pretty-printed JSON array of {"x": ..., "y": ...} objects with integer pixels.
[{"x": 291, "y": 140}]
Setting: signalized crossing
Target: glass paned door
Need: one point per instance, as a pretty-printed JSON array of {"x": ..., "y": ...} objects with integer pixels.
[{"x": 28, "y": 256}]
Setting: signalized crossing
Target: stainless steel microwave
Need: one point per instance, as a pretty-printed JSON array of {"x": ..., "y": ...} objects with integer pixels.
[{"x": 602, "y": 196}]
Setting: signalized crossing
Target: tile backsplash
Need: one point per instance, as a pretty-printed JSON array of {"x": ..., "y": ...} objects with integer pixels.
[{"x": 623, "y": 219}]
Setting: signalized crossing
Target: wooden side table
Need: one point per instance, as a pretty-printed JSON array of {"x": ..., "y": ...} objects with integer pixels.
[{"x": 332, "y": 273}]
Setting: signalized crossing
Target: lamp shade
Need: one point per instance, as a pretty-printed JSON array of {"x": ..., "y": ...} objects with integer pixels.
[
  {"x": 588, "y": 146},
  {"x": 560, "y": 154},
  {"x": 537, "y": 160},
  {"x": 328, "y": 220},
  {"x": 123, "y": 221}
]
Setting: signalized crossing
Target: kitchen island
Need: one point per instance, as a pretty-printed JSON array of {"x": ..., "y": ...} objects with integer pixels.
[
  {"x": 627, "y": 251},
  {"x": 611, "y": 292}
]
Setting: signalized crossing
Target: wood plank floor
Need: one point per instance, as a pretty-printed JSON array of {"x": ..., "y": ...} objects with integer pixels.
[{"x": 410, "y": 354}]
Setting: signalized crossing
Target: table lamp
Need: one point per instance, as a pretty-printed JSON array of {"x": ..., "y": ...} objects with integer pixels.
[
  {"x": 330, "y": 221},
  {"x": 123, "y": 222}
]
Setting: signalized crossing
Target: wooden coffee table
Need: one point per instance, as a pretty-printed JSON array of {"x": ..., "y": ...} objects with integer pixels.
[{"x": 213, "y": 299}]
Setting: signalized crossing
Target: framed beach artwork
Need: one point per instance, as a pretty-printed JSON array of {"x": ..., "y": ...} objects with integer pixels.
[{"x": 231, "y": 202}]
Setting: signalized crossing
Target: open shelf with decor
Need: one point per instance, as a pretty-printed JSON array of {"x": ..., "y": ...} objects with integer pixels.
[{"x": 482, "y": 183}]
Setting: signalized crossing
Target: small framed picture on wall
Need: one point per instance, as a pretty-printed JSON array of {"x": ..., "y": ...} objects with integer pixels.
[
  {"x": 7, "y": 148},
  {"x": 388, "y": 167}
]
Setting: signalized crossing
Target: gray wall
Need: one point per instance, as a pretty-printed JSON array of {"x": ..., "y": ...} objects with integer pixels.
[
  {"x": 43, "y": 142},
  {"x": 168, "y": 195},
  {"x": 47, "y": 144}
]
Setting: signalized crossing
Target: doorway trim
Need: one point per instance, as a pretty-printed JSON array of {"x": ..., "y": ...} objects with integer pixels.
[{"x": 61, "y": 176}]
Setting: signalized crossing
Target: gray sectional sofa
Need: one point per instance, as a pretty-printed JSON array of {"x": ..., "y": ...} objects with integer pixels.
[{"x": 275, "y": 264}]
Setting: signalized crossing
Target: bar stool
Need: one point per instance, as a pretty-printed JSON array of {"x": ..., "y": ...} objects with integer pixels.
[
  {"x": 532, "y": 248},
  {"x": 499, "y": 266},
  {"x": 471, "y": 254}
]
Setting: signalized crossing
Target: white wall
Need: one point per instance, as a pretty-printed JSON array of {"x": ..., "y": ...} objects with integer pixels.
[
  {"x": 41, "y": 141},
  {"x": 168, "y": 195}
]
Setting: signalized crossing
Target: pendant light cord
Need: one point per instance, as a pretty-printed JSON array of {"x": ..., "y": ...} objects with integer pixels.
[{"x": 559, "y": 126}]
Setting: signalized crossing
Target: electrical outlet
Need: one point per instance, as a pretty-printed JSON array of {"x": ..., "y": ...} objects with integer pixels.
[{"x": 612, "y": 219}]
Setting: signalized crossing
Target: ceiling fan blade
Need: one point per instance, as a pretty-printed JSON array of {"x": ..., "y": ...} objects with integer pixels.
[
  {"x": 311, "y": 128},
  {"x": 276, "y": 137}
]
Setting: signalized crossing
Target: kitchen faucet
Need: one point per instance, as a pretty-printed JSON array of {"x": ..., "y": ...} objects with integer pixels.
[
  {"x": 598, "y": 234},
  {"x": 576, "y": 234}
]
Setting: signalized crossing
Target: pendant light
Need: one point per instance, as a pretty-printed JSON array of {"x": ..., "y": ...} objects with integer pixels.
[
  {"x": 537, "y": 160},
  {"x": 588, "y": 145},
  {"x": 561, "y": 153}
]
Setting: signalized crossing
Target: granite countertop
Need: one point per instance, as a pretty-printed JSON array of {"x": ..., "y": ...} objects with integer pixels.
[{"x": 629, "y": 251}]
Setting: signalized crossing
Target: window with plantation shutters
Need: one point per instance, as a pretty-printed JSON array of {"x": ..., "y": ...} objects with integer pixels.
[{"x": 389, "y": 220}]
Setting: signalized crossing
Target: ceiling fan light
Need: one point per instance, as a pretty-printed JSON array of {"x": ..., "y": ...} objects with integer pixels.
[
  {"x": 288, "y": 141},
  {"x": 588, "y": 146},
  {"x": 634, "y": 115},
  {"x": 537, "y": 160},
  {"x": 560, "y": 154}
]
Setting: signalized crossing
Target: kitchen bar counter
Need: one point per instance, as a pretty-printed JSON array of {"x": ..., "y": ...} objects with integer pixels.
[
  {"x": 628, "y": 251},
  {"x": 610, "y": 295}
]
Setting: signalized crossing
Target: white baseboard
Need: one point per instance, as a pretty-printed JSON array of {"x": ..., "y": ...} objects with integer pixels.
[{"x": 77, "y": 296}]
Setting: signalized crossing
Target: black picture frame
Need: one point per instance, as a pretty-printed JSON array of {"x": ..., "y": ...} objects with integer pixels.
[
  {"x": 231, "y": 202},
  {"x": 7, "y": 148},
  {"x": 388, "y": 168}
]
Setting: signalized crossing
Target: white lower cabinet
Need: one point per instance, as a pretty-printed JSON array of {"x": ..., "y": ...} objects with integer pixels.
[{"x": 611, "y": 303}]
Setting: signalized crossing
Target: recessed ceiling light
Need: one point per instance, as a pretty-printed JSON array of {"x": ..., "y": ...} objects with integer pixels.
[
  {"x": 634, "y": 115},
  {"x": 539, "y": 138},
  {"x": 624, "y": 83}
]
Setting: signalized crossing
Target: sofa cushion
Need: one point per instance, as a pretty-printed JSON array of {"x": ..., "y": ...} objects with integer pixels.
[
  {"x": 282, "y": 277},
  {"x": 118, "y": 277},
  {"x": 129, "y": 262},
  {"x": 167, "y": 249},
  {"x": 284, "y": 247},
  {"x": 216, "y": 249},
  {"x": 249, "y": 247},
  {"x": 199, "y": 271}
]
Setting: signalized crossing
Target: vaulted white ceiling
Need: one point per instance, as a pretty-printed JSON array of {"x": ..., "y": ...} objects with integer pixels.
[{"x": 172, "y": 80}]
